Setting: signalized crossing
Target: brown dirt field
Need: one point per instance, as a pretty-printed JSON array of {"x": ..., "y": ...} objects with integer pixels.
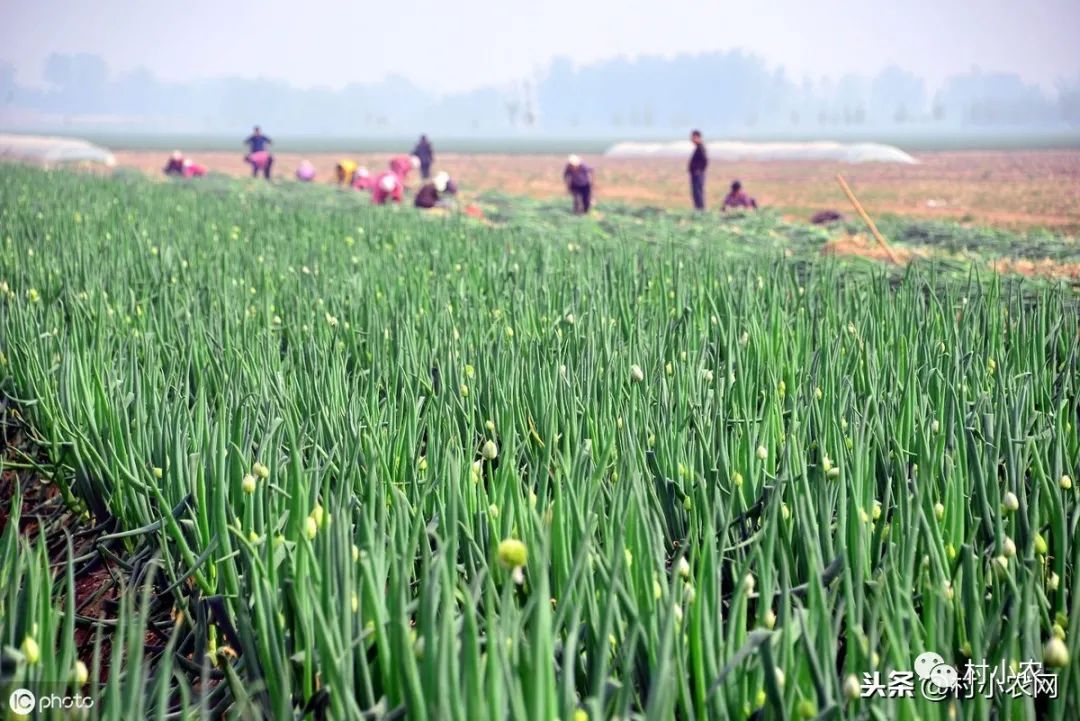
[
  {"x": 1014, "y": 189},
  {"x": 865, "y": 247},
  {"x": 1045, "y": 268}
]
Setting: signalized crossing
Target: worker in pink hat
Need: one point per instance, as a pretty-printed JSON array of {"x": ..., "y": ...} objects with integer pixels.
[
  {"x": 388, "y": 186},
  {"x": 305, "y": 173}
]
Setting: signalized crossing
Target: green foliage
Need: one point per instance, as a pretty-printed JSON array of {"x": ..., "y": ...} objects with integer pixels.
[{"x": 285, "y": 399}]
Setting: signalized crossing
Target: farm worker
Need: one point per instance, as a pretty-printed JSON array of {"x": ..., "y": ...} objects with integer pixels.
[
  {"x": 445, "y": 184},
  {"x": 258, "y": 156},
  {"x": 578, "y": 178},
  {"x": 306, "y": 172},
  {"x": 260, "y": 161},
  {"x": 388, "y": 186},
  {"x": 433, "y": 194},
  {"x": 361, "y": 179},
  {"x": 345, "y": 169},
  {"x": 402, "y": 164},
  {"x": 698, "y": 163},
  {"x": 192, "y": 169},
  {"x": 426, "y": 154},
  {"x": 175, "y": 165},
  {"x": 738, "y": 198}
]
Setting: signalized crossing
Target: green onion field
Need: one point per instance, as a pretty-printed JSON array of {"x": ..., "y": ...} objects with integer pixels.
[{"x": 272, "y": 453}]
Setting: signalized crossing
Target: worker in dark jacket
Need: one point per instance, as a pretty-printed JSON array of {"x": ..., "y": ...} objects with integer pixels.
[
  {"x": 426, "y": 153},
  {"x": 259, "y": 158},
  {"x": 698, "y": 163},
  {"x": 436, "y": 193},
  {"x": 175, "y": 166},
  {"x": 578, "y": 178}
]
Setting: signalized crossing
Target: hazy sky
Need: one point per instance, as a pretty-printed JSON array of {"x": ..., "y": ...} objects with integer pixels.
[{"x": 446, "y": 45}]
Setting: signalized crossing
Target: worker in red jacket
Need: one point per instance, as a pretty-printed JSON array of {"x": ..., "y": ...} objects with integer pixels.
[
  {"x": 388, "y": 186},
  {"x": 191, "y": 169},
  {"x": 400, "y": 165},
  {"x": 361, "y": 179}
]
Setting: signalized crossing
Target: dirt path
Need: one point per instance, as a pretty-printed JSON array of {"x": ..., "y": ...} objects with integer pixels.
[{"x": 1013, "y": 189}]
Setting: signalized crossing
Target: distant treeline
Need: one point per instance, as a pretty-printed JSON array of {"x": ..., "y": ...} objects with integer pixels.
[{"x": 729, "y": 92}]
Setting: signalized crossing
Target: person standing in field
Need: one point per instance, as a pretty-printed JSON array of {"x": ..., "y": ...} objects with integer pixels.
[
  {"x": 426, "y": 154},
  {"x": 578, "y": 178},
  {"x": 698, "y": 163},
  {"x": 258, "y": 156}
]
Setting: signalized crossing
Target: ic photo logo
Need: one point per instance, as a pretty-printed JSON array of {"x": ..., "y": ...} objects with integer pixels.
[{"x": 22, "y": 702}]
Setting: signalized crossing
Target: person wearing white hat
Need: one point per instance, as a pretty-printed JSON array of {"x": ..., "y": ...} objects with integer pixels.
[
  {"x": 578, "y": 178},
  {"x": 388, "y": 187},
  {"x": 175, "y": 164},
  {"x": 361, "y": 179},
  {"x": 193, "y": 169},
  {"x": 402, "y": 164},
  {"x": 434, "y": 193}
]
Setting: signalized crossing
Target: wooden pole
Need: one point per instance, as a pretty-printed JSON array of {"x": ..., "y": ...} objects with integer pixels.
[{"x": 867, "y": 219}]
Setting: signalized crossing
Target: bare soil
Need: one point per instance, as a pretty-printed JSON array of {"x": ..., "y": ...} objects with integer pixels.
[{"x": 1012, "y": 189}]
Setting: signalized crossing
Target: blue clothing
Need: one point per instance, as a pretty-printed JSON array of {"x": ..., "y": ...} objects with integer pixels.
[
  {"x": 579, "y": 176},
  {"x": 257, "y": 142},
  {"x": 582, "y": 197},
  {"x": 697, "y": 189}
]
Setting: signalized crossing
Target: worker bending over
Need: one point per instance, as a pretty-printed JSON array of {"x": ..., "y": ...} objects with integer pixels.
[{"x": 738, "y": 198}]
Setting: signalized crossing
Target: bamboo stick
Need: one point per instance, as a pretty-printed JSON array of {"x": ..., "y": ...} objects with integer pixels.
[{"x": 867, "y": 219}]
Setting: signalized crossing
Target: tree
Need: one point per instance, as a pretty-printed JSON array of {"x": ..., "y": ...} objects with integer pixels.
[
  {"x": 1069, "y": 100},
  {"x": 895, "y": 94}
]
